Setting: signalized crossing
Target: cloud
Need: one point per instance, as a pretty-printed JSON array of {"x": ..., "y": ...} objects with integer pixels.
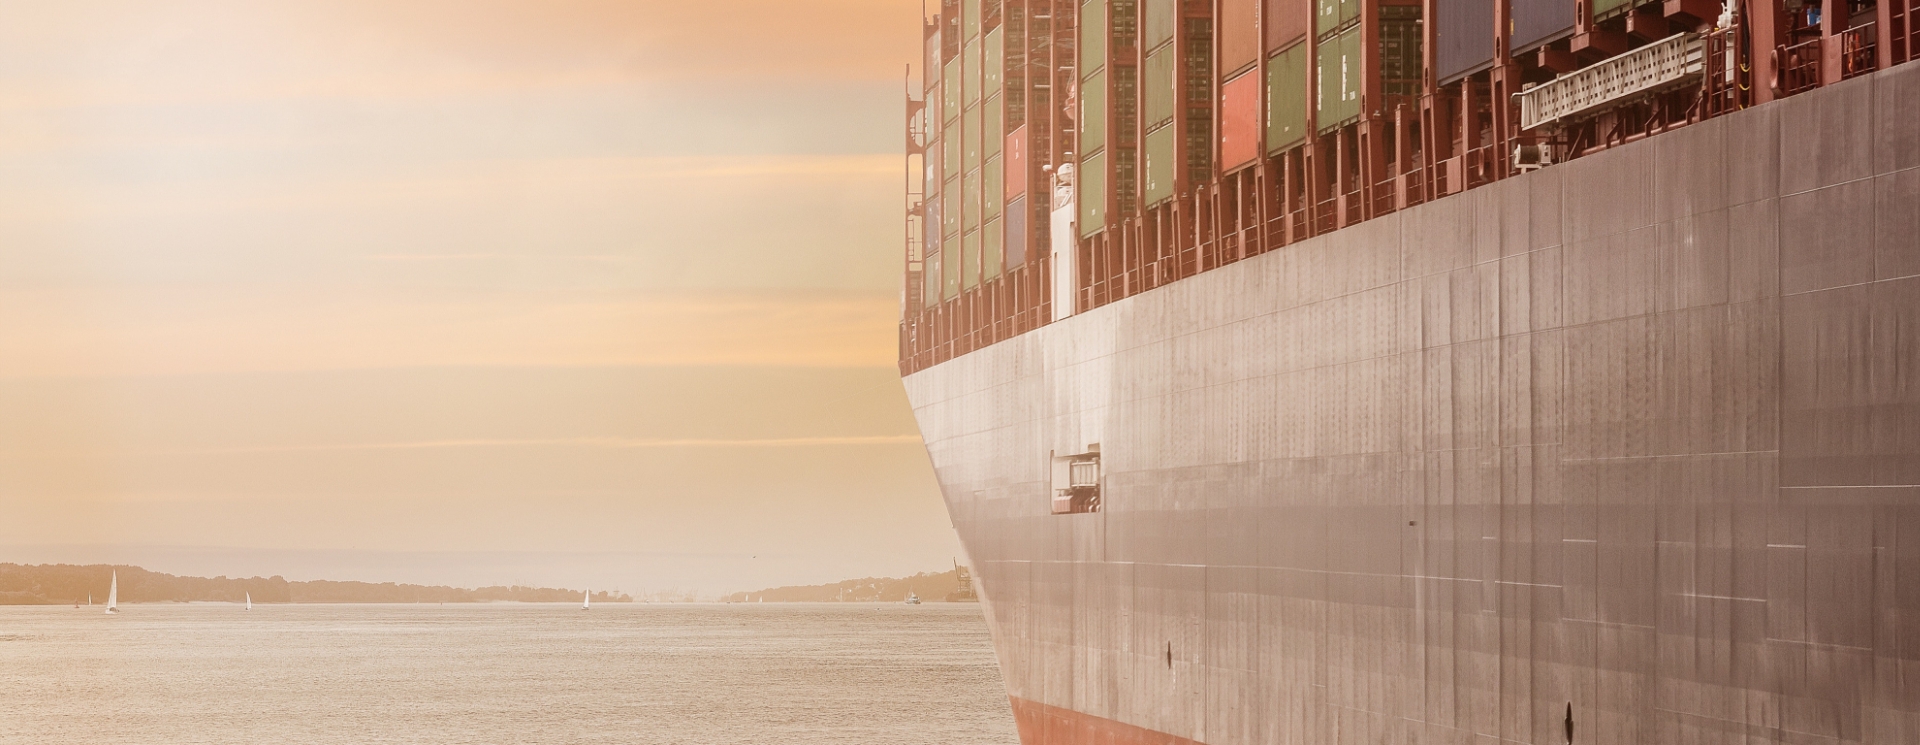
[
  {"x": 90, "y": 53},
  {"x": 179, "y": 330},
  {"x": 598, "y": 443}
]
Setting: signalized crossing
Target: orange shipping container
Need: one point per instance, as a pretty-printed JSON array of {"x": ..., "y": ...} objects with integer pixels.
[
  {"x": 1240, "y": 121},
  {"x": 1285, "y": 21},
  {"x": 1239, "y": 34},
  {"x": 1016, "y": 163}
]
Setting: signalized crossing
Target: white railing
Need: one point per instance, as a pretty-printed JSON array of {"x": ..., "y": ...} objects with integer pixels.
[{"x": 1655, "y": 67}]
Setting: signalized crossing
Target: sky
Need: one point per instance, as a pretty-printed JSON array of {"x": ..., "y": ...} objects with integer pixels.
[{"x": 462, "y": 291}]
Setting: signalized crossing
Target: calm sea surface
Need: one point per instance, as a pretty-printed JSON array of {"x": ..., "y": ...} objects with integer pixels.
[{"x": 684, "y": 674}]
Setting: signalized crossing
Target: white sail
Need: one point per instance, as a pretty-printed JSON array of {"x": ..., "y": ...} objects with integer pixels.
[
  {"x": 249, "y": 601},
  {"x": 586, "y": 603},
  {"x": 113, "y": 594}
]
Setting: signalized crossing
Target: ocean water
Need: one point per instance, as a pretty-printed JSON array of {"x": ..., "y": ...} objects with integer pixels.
[{"x": 621, "y": 673}]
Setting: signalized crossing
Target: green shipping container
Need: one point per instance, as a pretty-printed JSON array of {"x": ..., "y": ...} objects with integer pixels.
[
  {"x": 1093, "y": 35},
  {"x": 994, "y": 183},
  {"x": 1332, "y": 15},
  {"x": 1093, "y": 194},
  {"x": 950, "y": 209},
  {"x": 1161, "y": 18},
  {"x": 950, "y": 270},
  {"x": 1287, "y": 98},
  {"x": 1605, "y": 8},
  {"x": 995, "y": 62},
  {"x": 950, "y": 157},
  {"x": 971, "y": 139},
  {"x": 970, "y": 261},
  {"x": 950, "y": 89},
  {"x": 930, "y": 281},
  {"x": 1160, "y": 165},
  {"x": 1156, "y": 91},
  {"x": 970, "y": 73},
  {"x": 1339, "y": 81},
  {"x": 1093, "y": 113},
  {"x": 991, "y": 239},
  {"x": 970, "y": 201},
  {"x": 993, "y": 132}
]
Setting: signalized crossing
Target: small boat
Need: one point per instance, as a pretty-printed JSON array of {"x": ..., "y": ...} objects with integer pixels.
[
  {"x": 586, "y": 603},
  {"x": 912, "y": 599},
  {"x": 113, "y": 594},
  {"x": 249, "y": 601}
]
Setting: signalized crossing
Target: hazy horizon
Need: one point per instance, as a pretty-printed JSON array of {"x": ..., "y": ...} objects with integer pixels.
[{"x": 593, "y": 292}]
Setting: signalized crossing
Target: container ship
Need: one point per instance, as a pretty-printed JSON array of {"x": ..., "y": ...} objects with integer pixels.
[{"x": 1452, "y": 371}]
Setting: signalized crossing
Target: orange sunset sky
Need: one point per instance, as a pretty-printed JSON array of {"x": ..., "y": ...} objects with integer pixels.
[{"x": 468, "y": 292}]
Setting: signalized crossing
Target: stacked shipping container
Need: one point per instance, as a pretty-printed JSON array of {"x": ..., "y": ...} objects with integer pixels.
[{"x": 1193, "y": 133}]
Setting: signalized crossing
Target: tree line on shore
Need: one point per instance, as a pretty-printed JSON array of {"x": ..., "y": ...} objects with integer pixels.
[{"x": 62, "y": 584}]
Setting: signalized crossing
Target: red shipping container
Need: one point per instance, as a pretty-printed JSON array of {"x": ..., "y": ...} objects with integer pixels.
[
  {"x": 1240, "y": 121},
  {"x": 1286, "y": 21},
  {"x": 1016, "y": 159},
  {"x": 1239, "y": 34}
]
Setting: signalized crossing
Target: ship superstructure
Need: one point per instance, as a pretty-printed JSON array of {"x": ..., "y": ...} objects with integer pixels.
[{"x": 1542, "y": 371}]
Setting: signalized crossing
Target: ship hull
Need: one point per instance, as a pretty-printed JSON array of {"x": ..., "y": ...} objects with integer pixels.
[{"x": 1625, "y": 447}]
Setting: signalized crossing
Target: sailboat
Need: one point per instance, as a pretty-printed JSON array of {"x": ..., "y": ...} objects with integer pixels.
[
  {"x": 113, "y": 594},
  {"x": 249, "y": 601},
  {"x": 586, "y": 603}
]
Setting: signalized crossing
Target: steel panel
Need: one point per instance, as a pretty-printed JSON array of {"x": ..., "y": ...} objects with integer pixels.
[
  {"x": 1463, "y": 37},
  {"x": 1285, "y": 21},
  {"x": 1287, "y": 98},
  {"x": 1239, "y": 35},
  {"x": 1538, "y": 21},
  {"x": 969, "y": 19},
  {"x": 1161, "y": 166},
  {"x": 1093, "y": 194},
  {"x": 1240, "y": 120}
]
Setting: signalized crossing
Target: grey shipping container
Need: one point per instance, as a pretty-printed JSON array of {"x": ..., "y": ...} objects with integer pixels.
[
  {"x": 1539, "y": 21},
  {"x": 1463, "y": 38}
]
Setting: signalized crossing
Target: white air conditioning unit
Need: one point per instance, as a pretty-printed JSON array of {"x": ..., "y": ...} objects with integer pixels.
[{"x": 1532, "y": 157}]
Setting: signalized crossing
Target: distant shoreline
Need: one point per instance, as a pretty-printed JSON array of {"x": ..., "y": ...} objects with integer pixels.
[
  {"x": 68, "y": 584},
  {"x": 953, "y": 586}
]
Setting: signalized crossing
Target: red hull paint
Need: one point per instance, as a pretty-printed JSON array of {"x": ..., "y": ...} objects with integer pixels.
[{"x": 1041, "y": 724}]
